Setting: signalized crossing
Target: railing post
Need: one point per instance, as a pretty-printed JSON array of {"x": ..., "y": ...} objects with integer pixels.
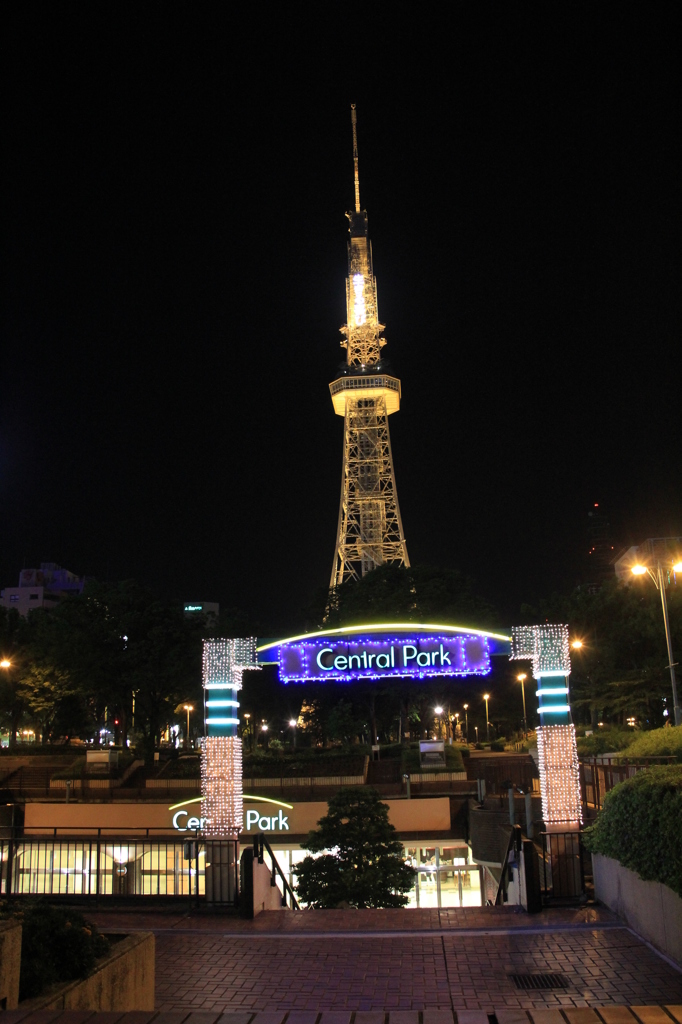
[
  {"x": 98, "y": 865},
  {"x": 10, "y": 872}
]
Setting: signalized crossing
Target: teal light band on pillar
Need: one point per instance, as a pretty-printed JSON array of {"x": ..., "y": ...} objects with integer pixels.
[
  {"x": 553, "y": 706},
  {"x": 223, "y": 696}
]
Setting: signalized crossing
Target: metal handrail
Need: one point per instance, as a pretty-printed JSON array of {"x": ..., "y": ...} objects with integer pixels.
[
  {"x": 67, "y": 832},
  {"x": 260, "y": 844},
  {"x": 513, "y": 846}
]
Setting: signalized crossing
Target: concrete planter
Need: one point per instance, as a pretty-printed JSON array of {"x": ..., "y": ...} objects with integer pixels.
[
  {"x": 122, "y": 981},
  {"x": 651, "y": 909}
]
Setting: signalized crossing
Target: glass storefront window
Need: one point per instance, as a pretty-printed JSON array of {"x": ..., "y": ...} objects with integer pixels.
[
  {"x": 444, "y": 877},
  {"x": 471, "y": 888},
  {"x": 450, "y": 894},
  {"x": 428, "y": 888},
  {"x": 454, "y": 855}
]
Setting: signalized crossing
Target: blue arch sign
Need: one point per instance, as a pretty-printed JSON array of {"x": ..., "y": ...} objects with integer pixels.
[{"x": 387, "y": 650}]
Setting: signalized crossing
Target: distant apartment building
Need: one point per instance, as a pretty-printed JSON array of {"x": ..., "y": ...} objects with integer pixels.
[{"x": 41, "y": 588}]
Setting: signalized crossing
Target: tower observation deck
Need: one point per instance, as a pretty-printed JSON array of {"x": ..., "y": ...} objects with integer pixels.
[{"x": 370, "y": 530}]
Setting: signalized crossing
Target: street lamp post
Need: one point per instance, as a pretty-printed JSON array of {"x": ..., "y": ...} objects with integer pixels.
[
  {"x": 248, "y": 731},
  {"x": 522, "y": 679},
  {"x": 466, "y": 719},
  {"x": 7, "y": 664},
  {"x": 188, "y": 708},
  {"x": 486, "y": 698},
  {"x": 659, "y": 580},
  {"x": 439, "y": 712},
  {"x": 292, "y": 723}
]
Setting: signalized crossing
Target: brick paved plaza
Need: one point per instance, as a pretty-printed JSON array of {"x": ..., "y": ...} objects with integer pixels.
[{"x": 401, "y": 960}]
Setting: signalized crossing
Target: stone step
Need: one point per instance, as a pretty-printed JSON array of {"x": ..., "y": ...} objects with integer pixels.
[{"x": 671, "y": 1014}]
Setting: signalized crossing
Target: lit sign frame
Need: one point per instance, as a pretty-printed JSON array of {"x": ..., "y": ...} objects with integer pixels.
[
  {"x": 387, "y": 650},
  {"x": 252, "y": 818}
]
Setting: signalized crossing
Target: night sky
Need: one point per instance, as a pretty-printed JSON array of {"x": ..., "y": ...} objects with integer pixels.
[{"x": 175, "y": 247}]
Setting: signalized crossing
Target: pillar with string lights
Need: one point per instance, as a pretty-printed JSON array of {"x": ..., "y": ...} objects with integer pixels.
[
  {"x": 221, "y": 753},
  {"x": 547, "y": 647}
]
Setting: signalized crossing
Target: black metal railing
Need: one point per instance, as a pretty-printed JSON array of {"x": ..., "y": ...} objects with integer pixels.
[
  {"x": 108, "y": 865},
  {"x": 562, "y": 873},
  {"x": 598, "y": 776},
  {"x": 260, "y": 845},
  {"x": 510, "y": 858}
]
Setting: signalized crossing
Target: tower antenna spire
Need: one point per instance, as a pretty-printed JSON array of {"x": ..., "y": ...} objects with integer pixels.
[{"x": 354, "y": 121}]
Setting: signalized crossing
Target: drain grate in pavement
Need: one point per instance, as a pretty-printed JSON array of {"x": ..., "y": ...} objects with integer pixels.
[{"x": 535, "y": 981}]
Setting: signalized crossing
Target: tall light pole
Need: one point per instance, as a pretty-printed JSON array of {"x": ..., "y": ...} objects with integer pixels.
[
  {"x": 7, "y": 664},
  {"x": 247, "y": 728},
  {"x": 466, "y": 719},
  {"x": 439, "y": 712},
  {"x": 292, "y": 723},
  {"x": 522, "y": 679},
  {"x": 659, "y": 580},
  {"x": 188, "y": 708},
  {"x": 486, "y": 698}
]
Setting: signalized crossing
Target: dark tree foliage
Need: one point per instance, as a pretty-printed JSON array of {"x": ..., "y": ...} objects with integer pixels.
[
  {"x": 418, "y": 594},
  {"x": 14, "y": 649},
  {"x": 111, "y": 645},
  {"x": 621, "y": 670},
  {"x": 365, "y": 867}
]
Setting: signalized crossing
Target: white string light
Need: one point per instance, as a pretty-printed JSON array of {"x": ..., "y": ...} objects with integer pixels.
[
  {"x": 547, "y": 647},
  {"x": 224, "y": 663},
  {"x": 559, "y": 774},
  {"x": 221, "y": 786}
]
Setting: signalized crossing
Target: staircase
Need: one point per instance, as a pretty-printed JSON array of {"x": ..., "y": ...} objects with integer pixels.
[
  {"x": 383, "y": 772},
  {"x": 29, "y": 777}
]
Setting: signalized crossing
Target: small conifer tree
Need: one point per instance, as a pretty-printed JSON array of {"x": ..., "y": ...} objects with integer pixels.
[{"x": 364, "y": 867}]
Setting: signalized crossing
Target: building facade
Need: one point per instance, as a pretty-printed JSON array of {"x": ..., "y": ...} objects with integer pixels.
[{"x": 42, "y": 588}]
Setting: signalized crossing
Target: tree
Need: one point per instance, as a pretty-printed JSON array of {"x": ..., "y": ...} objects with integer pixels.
[
  {"x": 421, "y": 593},
  {"x": 115, "y": 644},
  {"x": 13, "y": 649},
  {"x": 364, "y": 867},
  {"x": 621, "y": 669}
]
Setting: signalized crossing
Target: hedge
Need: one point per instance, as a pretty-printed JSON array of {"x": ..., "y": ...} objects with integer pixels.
[
  {"x": 604, "y": 741},
  {"x": 639, "y": 825},
  {"x": 657, "y": 743}
]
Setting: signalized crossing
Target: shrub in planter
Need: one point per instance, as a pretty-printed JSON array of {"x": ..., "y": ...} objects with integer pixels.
[
  {"x": 606, "y": 740},
  {"x": 56, "y": 946},
  {"x": 639, "y": 825},
  {"x": 656, "y": 743}
]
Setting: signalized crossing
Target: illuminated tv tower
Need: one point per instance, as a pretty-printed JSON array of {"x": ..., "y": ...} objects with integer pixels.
[{"x": 370, "y": 530}]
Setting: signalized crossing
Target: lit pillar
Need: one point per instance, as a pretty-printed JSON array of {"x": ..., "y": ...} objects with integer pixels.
[
  {"x": 548, "y": 649},
  {"x": 221, "y": 754}
]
